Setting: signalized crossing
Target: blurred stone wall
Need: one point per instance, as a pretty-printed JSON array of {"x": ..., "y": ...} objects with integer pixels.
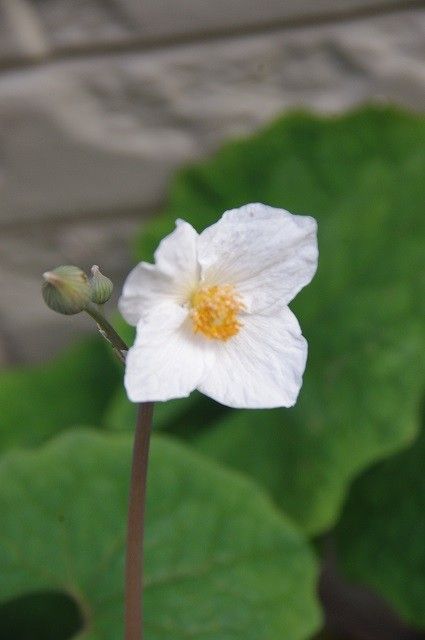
[{"x": 101, "y": 100}]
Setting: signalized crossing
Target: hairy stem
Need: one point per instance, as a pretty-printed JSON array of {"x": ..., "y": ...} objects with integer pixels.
[
  {"x": 108, "y": 331},
  {"x": 136, "y": 521}
]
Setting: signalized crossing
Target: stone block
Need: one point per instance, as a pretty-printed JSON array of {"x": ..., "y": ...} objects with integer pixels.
[
  {"x": 90, "y": 23},
  {"x": 21, "y": 34},
  {"x": 167, "y": 18},
  {"x": 104, "y": 134},
  {"x": 88, "y": 145},
  {"x": 83, "y": 23}
]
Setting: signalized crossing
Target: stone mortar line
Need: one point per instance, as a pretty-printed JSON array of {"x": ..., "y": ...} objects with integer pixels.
[{"x": 141, "y": 44}]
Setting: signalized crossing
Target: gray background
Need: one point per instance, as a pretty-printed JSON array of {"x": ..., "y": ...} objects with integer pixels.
[{"x": 101, "y": 100}]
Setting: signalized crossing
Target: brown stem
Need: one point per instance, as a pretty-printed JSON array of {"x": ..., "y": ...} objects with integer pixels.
[{"x": 135, "y": 533}]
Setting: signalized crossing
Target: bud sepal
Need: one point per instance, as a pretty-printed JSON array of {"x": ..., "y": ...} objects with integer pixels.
[
  {"x": 66, "y": 290},
  {"x": 101, "y": 287}
]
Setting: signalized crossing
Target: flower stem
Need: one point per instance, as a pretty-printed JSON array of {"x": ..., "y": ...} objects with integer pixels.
[
  {"x": 133, "y": 617},
  {"x": 136, "y": 519},
  {"x": 108, "y": 331}
]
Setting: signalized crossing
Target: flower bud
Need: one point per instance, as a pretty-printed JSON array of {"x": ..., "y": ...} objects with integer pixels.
[
  {"x": 100, "y": 286},
  {"x": 66, "y": 289}
]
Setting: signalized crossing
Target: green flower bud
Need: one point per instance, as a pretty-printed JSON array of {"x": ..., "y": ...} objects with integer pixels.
[
  {"x": 66, "y": 290},
  {"x": 100, "y": 286}
]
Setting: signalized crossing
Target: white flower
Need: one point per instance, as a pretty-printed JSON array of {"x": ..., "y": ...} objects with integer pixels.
[{"x": 212, "y": 312}]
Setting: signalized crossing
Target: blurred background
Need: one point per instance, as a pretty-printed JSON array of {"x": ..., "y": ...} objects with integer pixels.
[{"x": 101, "y": 100}]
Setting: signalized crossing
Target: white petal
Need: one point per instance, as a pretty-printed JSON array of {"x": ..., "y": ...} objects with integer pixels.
[
  {"x": 267, "y": 254},
  {"x": 260, "y": 367},
  {"x": 175, "y": 273},
  {"x": 168, "y": 359},
  {"x": 144, "y": 287},
  {"x": 176, "y": 255}
]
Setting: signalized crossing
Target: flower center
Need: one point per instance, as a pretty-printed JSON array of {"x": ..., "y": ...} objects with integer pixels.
[{"x": 214, "y": 311}]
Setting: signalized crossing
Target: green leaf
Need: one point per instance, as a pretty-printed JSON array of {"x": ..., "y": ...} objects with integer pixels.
[
  {"x": 380, "y": 538},
  {"x": 123, "y": 329},
  {"x": 361, "y": 176},
  {"x": 221, "y": 562},
  {"x": 121, "y": 413},
  {"x": 38, "y": 402},
  {"x": 184, "y": 417}
]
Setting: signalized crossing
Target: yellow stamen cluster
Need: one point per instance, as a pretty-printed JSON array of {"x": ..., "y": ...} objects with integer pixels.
[{"x": 214, "y": 311}]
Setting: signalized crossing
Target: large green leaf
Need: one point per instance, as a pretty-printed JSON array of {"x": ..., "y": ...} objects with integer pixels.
[
  {"x": 380, "y": 539},
  {"x": 40, "y": 401},
  {"x": 184, "y": 416},
  {"x": 221, "y": 562},
  {"x": 361, "y": 175}
]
